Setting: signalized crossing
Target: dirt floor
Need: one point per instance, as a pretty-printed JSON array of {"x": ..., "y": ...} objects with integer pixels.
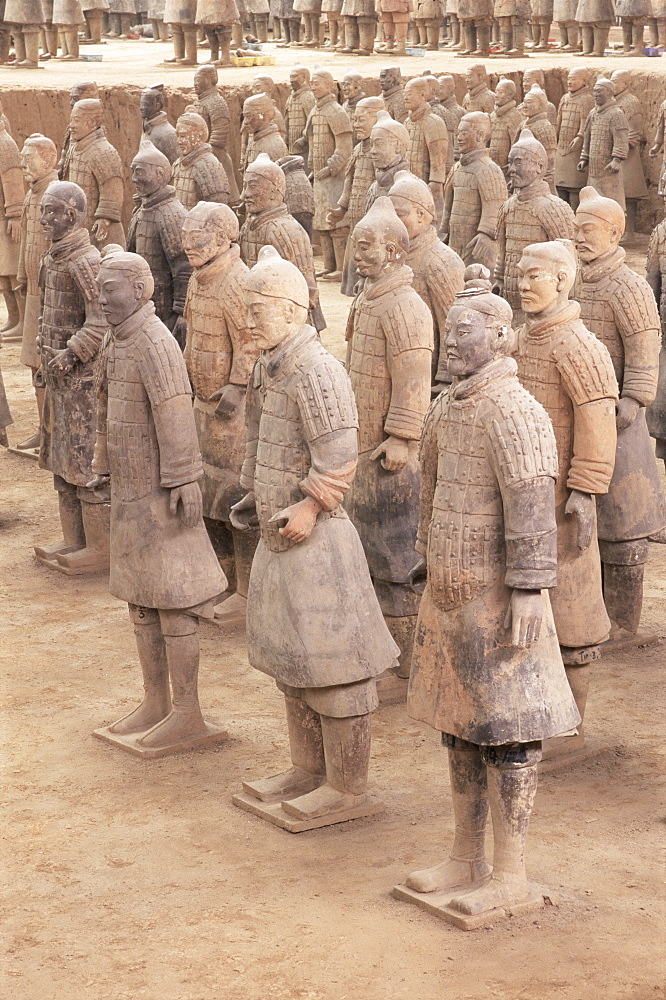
[{"x": 134, "y": 880}]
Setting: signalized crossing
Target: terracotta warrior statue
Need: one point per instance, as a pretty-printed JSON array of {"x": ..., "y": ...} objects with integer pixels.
[
  {"x": 263, "y": 134},
  {"x": 360, "y": 20},
  {"x": 155, "y": 232},
  {"x": 393, "y": 92},
  {"x": 438, "y": 270},
  {"x": 313, "y": 622},
  {"x": 180, "y": 16},
  {"x": 390, "y": 344},
  {"x": 487, "y": 537},
  {"x": 218, "y": 19},
  {"x": 605, "y": 143},
  {"x": 530, "y": 215},
  {"x": 595, "y": 18},
  {"x": 389, "y": 143},
  {"x": 265, "y": 84},
  {"x": 429, "y": 140},
  {"x": 657, "y": 23},
  {"x": 541, "y": 20},
  {"x": 505, "y": 122},
  {"x": 359, "y": 175},
  {"x": 535, "y": 107},
  {"x": 38, "y": 162},
  {"x": 394, "y": 16},
  {"x": 298, "y": 195},
  {"x": 328, "y": 140},
  {"x": 564, "y": 13},
  {"x": 656, "y": 277},
  {"x": 67, "y": 18},
  {"x": 94, "y": 164},
  {"x": 427, "y": 23},
  {"x": 214, "y": 110},
  {"x": 26, "y": 18},
  {"x": 219, "y": 356},
  {"x": 572, "y": 114},
  {"x": 619, "y": 308},
  {"x": 198, "y": 175},
  {"x": 79, "y": 92},
  {"x": 475, "y": 17},
  {"x": 635, "y": 188},
  {"x": 12, "y": 192},
  {"x": 633, "y": 15},
  {"x": 351, "y": 88},
  {"x": 162, "y": 562},
  {"x": 474, "y": 195},
  {"x": 310, "y": 11},
  {"x": 71, "y": 328},
  {"x": 511, "y": 17},
  {"x": 300, "y": 103},
  {"x": 659, "y": 146},
  {"x": 532, "y": 76},
  {"x": 478, "y": 97},
  {"x": 156, "y": 126},
  {"x": 268, "y": 222},
  {"x": 447, "y": 93},
  {"x": 563, "y": 365}
]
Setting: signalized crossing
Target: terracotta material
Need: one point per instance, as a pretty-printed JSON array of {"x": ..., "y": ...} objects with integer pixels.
[
  {"x": 532, "y": 75},
  {"x": 12, "y": 192},
  {"x": 438, "y": 271},
  {"x": 6, "y": 418},
  {"x": 605, "y": 143},
  {"x": 71, "y": 327},
  {"x": 79, "y": 92},
  {"x": 94, "y": 164},
  {"x": 162, "y": 562},
  {"x": 263, "y": 133},
  {"x": 181, "y": 15},
  {"x": 156, "y": 126},
  {"x": 389, "y": 143},
  {"x": 300, "y": 103},
  {"x": 450, "y": 111},
  {"x": 438, "y": 109},
  {"x": 265, "y": 84},
  {"x": 505, "y": 122},
  {"x": 619, "y": 308},
  {"x": 351, "y": 88},
  {"x": 298, "y": 195},
  {"x": 595, "y": 18},
  {"x": 564, "y": 12},
  {"x": 214, "y": 110},
  {"x": 633, "y": 14},
  {"x": 570, "y": 372},
  {"x": 475, "y": 192},
  {"x": 218, "y": 18},
  {"x": 530, "y": 215},
  {"x": 26, "y": 18},
  {"x": 635, "y": 187},
  {"x": 659, "y": 147},
  {"x": 313, "y": 619},
  {"x": 197, "y": 175},
  {"x": 155, "y": 232},
  {"x": 390, "y": 337},
  {"x": 219, "y": 356},
  {"x": 572, "y": 114},
  {"x": 360, "y": 20},
  {"x": 329, "y": 142},
  {"x": 269, "y": 223},
  {"x": 479, "y": 97},
  {"x": 394, "y": 16},
  {"x": 67, "y": 17},
  {"x": 359, "y": 175},
  {"x": 487, "y": 536},
  {"x": 427, "y": 23},
  {"x": 38, "y": 161},
  {"x": 475, "y": 18},
  {"x": 511, "y": 17},
  {"x": 429, "y": 140},
  {"x": 655, "y": 273},
  {"x": 535, "y": 108}
]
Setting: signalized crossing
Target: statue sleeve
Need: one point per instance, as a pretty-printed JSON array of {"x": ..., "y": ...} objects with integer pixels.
[
  {"x": 493, "y": 193},
  {"x": 500, "y": 236},
  {"x": 252, "y": 419},
  {"x": 652, "y": 266},
  {"x": 639, "y": 325},
  {"x": 594, "y": 443},
  {"x": 350, "y": 169},
  {"x": 21, "y": 276},
  {"x": 428, "y": 461},
  {"x": 409, "y": 343},
  {"x": 179, "y": 265},
  {"x": 341, "y": 128},
  {"x": 437, "y": 141},
  {"x": 558, "y": 220},
  {"x": 244, "y": 350},
  {"x": 108, "y": 172},
  {"x": 13, "y": 191},
  {"x": 587, "y": 131},
  {"x": 86, "y": 342},
  {"x": 212, "y": 182},
  {"x": 620, "y": 136},
  {"x": 218, "y": 123}
]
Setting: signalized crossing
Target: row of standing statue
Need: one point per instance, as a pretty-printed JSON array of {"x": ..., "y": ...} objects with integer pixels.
[{"x": 374, "y": 536}]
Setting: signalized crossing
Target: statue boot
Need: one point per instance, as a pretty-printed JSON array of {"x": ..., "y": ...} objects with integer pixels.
[
  {"x": 482, "y": 40},
  {"x": 12, "y": 328},
  {"x": 400, "y": 39},
  {"x": 466, "y": 865},
  {"x": 402, "y": 629},
  {"x": 94, "y": 25},
  {"x": 518, "y": 50},
  {"x": 623, "y": 566},
  {"x": 70, "y": 45},
  {"x": 71, "y": 522},
  {"x": 94, "y": 557},
  {"x": 432, "y": 33},
  {"x": 33, "y": 441},
  {"x": 328, "y": 254},
  {"x": 351, "y": 35},
  {"x": 601, "y": 32},
  {"x": 637, "y": 30},
  {"x": 469, "y": 35},
  {"x": 191, "y": 51},
  {"x": 156, "y": 703},
  {"x": 306, "y": 747}
]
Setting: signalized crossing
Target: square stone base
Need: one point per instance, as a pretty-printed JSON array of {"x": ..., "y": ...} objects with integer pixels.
[
  {"x": 130, "y": 744},
  {"x": 629, "y": 642},
  {"x": 391, "y": 689},
  {"x": 273, "y": 813},
  {"x": 437, "y": 903},
  {"x": 32, "y": 453},
  {"x": 70, "y": 570},
  {"x": 569, "y": 754}
]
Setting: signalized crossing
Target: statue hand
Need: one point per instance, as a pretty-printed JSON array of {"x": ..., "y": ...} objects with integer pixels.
[
  {"x": 21, "y": 289},
  {"x": 99, "y": 482},
  {"x": 178, "y": 327},
  {"x": 626, "y": 412},
  {"x": 395, "y": 451},
  {"x": 582, "y": 166},
  {"x": 322, "y": 174},
  {"x": 574, "y": 144},
  {"x": 480, "y": 246},
  {"x": 61, "y": 362},
  {"x": 336, "y": 214},
  {"x": 301, "y": 518},
  {"x": 524, "y": 616},
  {"x": 100, "y": 230},
  {"x": 498, "y": 286},
  {"x": 653, "y": 151},
  {"x": 418, "y": 575},
  {"x": 14, "y": 230},
  {"x": 613, "y": 167},
  {"x": 230, "y": 398},
  {"x": 192, "y": 504},
  {"x": 243, "y": 515},
  {"x": 581, "y": 506}
]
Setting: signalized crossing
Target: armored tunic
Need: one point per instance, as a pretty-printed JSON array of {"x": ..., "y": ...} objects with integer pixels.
[
  {"x": 394, "y": 99},
  {"x": 451, "y": 105},
  {"x": 632, "y": 168},
  {"x": 544, "y": 132},
  {"x": 632, "y": 10},
  {"x": 66, "y": 13},
  {"x": 359, "y": 175},
  {"x": 606, "y": 136},
  {"x": 383, "y": 182},
  {"x": 217, "y": 13},
  {"x": 428, "y": 145},
  {"x": 571, "y": 117},
  {"x": 277, "y": 228},
  {"x": 265, "y": 140},
  {"x": 329, "y": 139},
  {"x": 299, "y": 105},
  {"x": 479, "y": 98},
  {"x": 349, "y": 107},
  {"x": 156, "y": 233},
  {"x": 34, "y": 244},
  {"x": 473, "y": 197},
  {"x": 95, "y": 165},
  {"x": 214, "y": 110},
  {"x": 219, "y": 351},
  {"x": 12, "y": 192},
  {"x": 564, "y": 11},
  {"x": 162, "y": 134},
  {"x": 571, "y": 374},
  {"x": 595, "y": 11},
  {"x": 530, "y": 215},
  {"x": 359, "y": 8},
  {"x": 199, "y": 176},
  {"x": 71, "y": 317},
  {"x": 298, "y": 196},
  {"x": 312, "y": 615},
  {"x": 180, "y": 11},
  {"x": 439, "y": 274},
  {"x": 506, "y": 122},
  {"x": 487, "y": 526},
  {"x": 390, "y": 351},
  {"x": 23, "y": 12},
  {"x": 475, "y": 10},
  {"x": 656, "y": 275},
  {"x": 618, "y": 306}
]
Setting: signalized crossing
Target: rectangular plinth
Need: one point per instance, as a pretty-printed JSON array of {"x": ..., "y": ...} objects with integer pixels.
[
  {"x": 437, "y": 903},
  {"x": 273, "y": 813},
  {"x": 391, "y": 689},
  {"x": 629, "y": 642},
  {"x": 32, "y": 453},
  {"x": 573, "y": 758},
  {"x": 130, "y": 743}
]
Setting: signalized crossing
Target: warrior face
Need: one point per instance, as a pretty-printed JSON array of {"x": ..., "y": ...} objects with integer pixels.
[
  {"x": 384, "y": 150},
  {"x": 415, "y": 93},
  {"x": 147, "y": 178},
  {"x": 594, "y": 237},
  {"x": 577, "y": 79},
  {"x": 120, "y": 294},
  {"x": 389, "y": 77},
  {"x": 56, "y": 218},
  {"x": 539, "y": 284},
  {"x": 151, "y": 104},
  {"x": 372, "y": 254},
  {"x": 472, "y": 340},
  {"x": 469, "y": 137},
  {"x": 201, "y": 243},
  {"x": 81, "y": 123},
  {"x": 350, "y": 85},
  {"x": 271, "y": 320},
  {"x": 34, "y": 163},
  {"x": 523, "y": 167},
  {"x": 603, "y": 92},
  {"x": 188, "y": 137},
  {"x": 320, "y": 85},
  {"x": 258, "y": 193},
  {"x": 204, "y": 78},
  {"x": 414, "y": 218},
  {"x": 297, "y": 78},
  {"x": 504, "y": 93},
  {"x": 364, "y": 120}
]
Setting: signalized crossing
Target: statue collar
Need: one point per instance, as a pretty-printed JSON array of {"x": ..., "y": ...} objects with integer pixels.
[
  {"x": 39, "y": 186},
  {"x": 537, "y": 329},
  {"x": 606, "y": 107},
  {"x": 391, "y": 91},
  {"x": 213, "y": 268},
  {"x": 384, "y": 175},
  {"x": 537, "y": 189},
  {"x": 423, "y": 240},
  {"x": 152, "y": 123},
  {"x": 266, "y": 130},
  {"x": 88, "y": 140},
  {"x": 157, "y": 197},
  {"x": 479, "y": 89},
  {"x": 130, "y": 326},
  {"x": 207, "y": 93},
  {"x": 451, "y": 102},
  {"x": 276, "y": 358},
  {"x": 326, "y": 99},
  {"x": 421, "y": 112},
  {"x": 76, "y": 239},
  {"x": 603, "y": 266},
  {"x": 301, "y": 90},
  {"x": 541, "y": 116},
  {"x": 196, "y": 154},
  {"x": 473, "y": 156},
  {"x": 266, "y": 215},
  {"x": 351, "y": 102},
  {"x": 504, "y": 109},
  {"x": 500, "y": 368},
  {"x": 386, "y": 283}
]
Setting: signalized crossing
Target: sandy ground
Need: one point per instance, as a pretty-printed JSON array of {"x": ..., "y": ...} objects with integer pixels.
[{"x": 133, "y": 880}]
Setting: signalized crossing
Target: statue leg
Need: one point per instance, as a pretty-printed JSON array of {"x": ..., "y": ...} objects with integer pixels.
[
  {"x": 178, "y": 39},
  {"x": 94, "y": 20},
  {"x": 213, "y": 44},
  {"x": 351, "y": 35},
  {"x": 10, "y": 329},
  {"x": 237, "y": 34},
  {"x": 33, "y": 441},
  {"x": 653, "y": 32},
  {"x": 422, "y": 33},
  {"x": 340, "y": 239},
  {"x": 184, "y": 721},
  {"x": 469, "y": 798},
  {"x": 156, "y": 703},
  {"x": 233, "y": 611},
  {"x": 601, "y": 32},
  {"x": 191, "y": 50},
  {"x": 506, "y": 36},
  {"x": 224, "y": 41},
  {"x": 332, "y": 30},
  {"x": 432, "y": 35},
  {"x": 482, "y": 38},
  {"x": 71, "y": 522},
  {"x": 661, "y": 27},
  {"x": 261, "y": 21},
  {"x": 19, "y": 45},
  {"x": 511, "y": 791},
  {"x": 587, "y": 38},
  {"x": 401, "y": 28},
  {"x": 114, "y": 25},
  {"x": 295, "y": 32},
  {"x": 125, "y": 25},
  {"x": 518, "y": 48},
  {"x": 94, "y": 557},
  {"x": 623, "y": 568},
  {"x": 637, "y": 29},
  {"x": 564, "y": 37},
  {"x": 470, "y": 38},
  {"x": 306, "y": 747},
  {"x": 51, "y": 36},
  {"x": 327, "y": 252}
]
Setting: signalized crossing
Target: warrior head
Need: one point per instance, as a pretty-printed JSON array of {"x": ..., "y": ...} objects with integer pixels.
[
  {"x": 322, "y": 83},
  {"x": 277, "y": 299},
  {"x": 535, "y": 101},
  {"x": 365, "y": 116},
  {"x": 546, "y": 273},
  {"x": 38, "y": 157},
  {"x": 505, "y": 92},
  {"x": 478, "y": 325},
  {"x": 63, "y": 208},
  {"x": 528, "y": 161},
  {"x": 153, "y": 100},
  {"x": 476, "y": 76},
  {"x": 81, "y": 91},
  {"x": 473, "y": 132},
  {"x": 205, "y": 79},
  {"x": 258, "y": 111},
  {"x": 600, "y": 225},
  {"x": 191, "y": 131},
  {"x": 389, "y": 141},
  {"x": 447, "y": 86},
  {"x": 413, "y": 202},
  {"x": 125, "y": 284},
  {"x": 380, "y": 241},
  {"x": 351, "y": 85},
  {"x": 417, "y": 92},
  {"x": 86, "y": 116},
  {"x": 299, "y": 76},
  {"x": 150, "y": 170},
  {"x": 264, "y": 185},
  {"x": 389, "y": 77},
  {"x": 208, "y": 231},
  {"x": 604, "y": 92},
  {"x": 578, "y": 79}
]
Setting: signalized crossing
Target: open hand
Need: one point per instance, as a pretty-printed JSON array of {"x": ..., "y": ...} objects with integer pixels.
[
  {"x": 243, "y": 515},
  {"x": 581, "y": 506},
  {"x": 395, "y": 451},
  {"x": 14, "y": 230},
  {"x": 613, "y": 167},
  {"x": 61, "y": 362},
  {"x": 322, "y": 174},
  {"x": 100, "y": 481},
  {"x": 191, "y": 510},
  {"x": 301, "y": 518},
  {"x": 524, "y": 616},
  {"x": 100, "y": 230}
]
